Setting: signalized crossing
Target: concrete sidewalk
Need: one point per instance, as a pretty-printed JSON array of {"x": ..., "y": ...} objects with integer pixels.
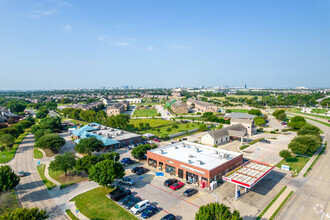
[
  {"x": 73, "y": 208},
  {"x": 277, "y": 203}
]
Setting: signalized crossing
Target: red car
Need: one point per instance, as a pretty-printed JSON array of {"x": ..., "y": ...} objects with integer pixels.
[
  {"x": 157, "y": 140},
  {"x": 176, "y": 185}
]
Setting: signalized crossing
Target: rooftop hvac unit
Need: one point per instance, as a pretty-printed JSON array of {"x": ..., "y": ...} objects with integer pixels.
[
  {"x": 200, "y": 162},
  {"x": 100, "y": 133},
  {"x": 196, "y": 149},
  {"x": 216, "y": 152},
  {"x": 182, "y": 145},
  {"x": 161, "y": 151},
  {"x": 176, "y": 147},
  {"x": 111, "y": 129},
  {"x": 99, "y": 127},
  {"x": 190, "y": 155},
  {"x": 189, "y": 161},
  {"x": 220, "y": 156},
  {"x": 226, "y": 156}
]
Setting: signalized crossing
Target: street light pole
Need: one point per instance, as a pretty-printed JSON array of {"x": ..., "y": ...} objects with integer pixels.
[
  {"x": 114, "y": 161},
  {"x": 216, "y": 198}
]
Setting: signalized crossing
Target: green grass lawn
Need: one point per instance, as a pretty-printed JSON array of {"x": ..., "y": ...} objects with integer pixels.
[
  {"x": 37, "y": 153},
  {"x": 319, "y": 111},
  {"x": 238, "y": 110},
  {"x": 163, "y": 130},
  {"x": 71, "y": 215},
  {"x": 75, "y": 121},
  {"x": 152, "y": 122},
  {"x": 41, "y": 170},
  {"x": 318, "y": 116},
  {"x": 7, "y": 155},
  {"x": 149, "y": 103},
  {"x": 94, "y": 205},
  {"x": 191, "y": 118},
  {"x": 71, "y": 178},
  {"x": 296, "y": 163},
  {"x": 145, "y": 113}
]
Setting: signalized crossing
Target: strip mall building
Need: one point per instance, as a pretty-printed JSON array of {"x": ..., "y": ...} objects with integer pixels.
[{"x": 196, "y": 163}]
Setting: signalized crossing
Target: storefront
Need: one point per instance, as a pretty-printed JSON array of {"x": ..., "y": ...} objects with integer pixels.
[
  {"x": 152, "y": 163},
  {"x": 169, "y": 169},
  {"x": 190, "y": 177}
]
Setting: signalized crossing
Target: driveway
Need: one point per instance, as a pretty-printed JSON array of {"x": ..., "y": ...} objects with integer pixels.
[{"x": 164, "y": 113}]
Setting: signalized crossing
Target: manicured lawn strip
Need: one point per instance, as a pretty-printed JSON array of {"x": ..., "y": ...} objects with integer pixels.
[
  {"x": 75, "y": 121},
  {"x": 271, "y": 203},
  {"x": 319, "y": 111},
  {"x": 251, "y": 143},
  {"x": 66, "y": 180},
  {"x": 37, "y": 153},
  {"x": 163, "y": 130},
  {"x": 318, "y": 116},
  {"x": 280, "y": 207},
  {"x": 71, "y": 215},
  {"x": 296, "y": 163},
  {"x": 322, "y": 122},
  {"x": 191, "y": 118},
  {"x": 41, "y": 170},
  {"x": 315, "y": 159},
  {"x": 238, "y": 110},
  {"x": 9, "y": 154},
  {"x": 94, "y": 205},
  {"x": 145, "y": 113},
  {"x": 154, "y": 123}
]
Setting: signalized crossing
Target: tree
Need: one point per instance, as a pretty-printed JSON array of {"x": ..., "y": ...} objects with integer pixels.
[
  {"x": 106, "y": 171},
  {"x": 169, "y": 129},
  {"x": 118, "y": 121},
  {"x": 86, "y": 162},
  {"x": 305, "y": 144},
  {"x": 285, "y": 154},
  {"x": 110, "y": 156},
  {"x": 10, "y": 130},
  {"x": 41, "y": 132},
  {"x": 53, "y": 123},
  {"x": 216, "y": 211},
  {"x": 229, "y": 111},
  {"x": 16, "y": 107},
  {"x": 277, "y": 113},
  {"x": 88, "y": 145},
  {"x": 220, "y": 126},
  {"x": 63, "y": 162},
  {"x": 259, "y": 120},
  {"x": 141, "y": 150},
  {"x": 297, "y": 122},
  {"x": 8, "y": 179},
  {"x": 256, "y": 112},
  {"x": 25, "y": 214},
  {"x": 202, "y": 127},
  {"x": 281, "y": 117},
  {"x": 7, "y": 141},
  {"x": 309, "y": 129},
  {"x": 50, "y": 141},
  {"x": 42, "y": 114}
]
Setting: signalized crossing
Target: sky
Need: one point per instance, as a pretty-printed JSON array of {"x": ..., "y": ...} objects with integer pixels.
[{"x": 63, "y": 44}]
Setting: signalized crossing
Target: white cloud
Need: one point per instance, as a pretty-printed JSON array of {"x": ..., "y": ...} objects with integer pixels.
[
  {"x": 101, "y": 38},
  {"x": 180, "y": 47},
  {"x": 151, "y": 48},
  {"x": 122, "y": 44},
  {"x": 45, "y": 12},
  {"x": 67, "y": 27}
]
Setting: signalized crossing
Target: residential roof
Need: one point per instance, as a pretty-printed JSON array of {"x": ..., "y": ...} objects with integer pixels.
[
  {"x": 179, "y": 104},
  {"x": 196, "y": 155},
  {"x": 233, "y": 130},
  {"x": 202, "y": 103},
  {"x": 106, "y": 141},
  {"x": 239, "y": 115}
]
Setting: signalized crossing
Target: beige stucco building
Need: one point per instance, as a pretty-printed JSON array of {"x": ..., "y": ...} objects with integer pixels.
[{"x": 202, "y": 106}]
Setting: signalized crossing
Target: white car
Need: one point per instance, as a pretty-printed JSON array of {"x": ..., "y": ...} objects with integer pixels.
[
  {"x": 139, "y": 207},
  {"x": 126, "y": 181},
  {"x": 20, "y": 173}
]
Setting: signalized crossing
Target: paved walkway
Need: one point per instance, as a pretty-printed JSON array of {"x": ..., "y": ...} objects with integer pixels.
[
  {"x": 73, "y": 208},
  {"x": 277, "y": 204}
]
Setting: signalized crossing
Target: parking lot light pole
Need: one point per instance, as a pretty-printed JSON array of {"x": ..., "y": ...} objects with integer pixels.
[
  {"x": 114, "y": 161},
  {"x": 216, "y": 198}
]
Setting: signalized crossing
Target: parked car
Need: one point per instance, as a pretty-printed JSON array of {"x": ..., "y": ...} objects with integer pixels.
[
  {"x": 189, "y": 192},
  {"x": 168, "y": 217},
  {"x": 177, "y": 185},
  {"x": 128, "y": 147},
  {"x": 132, "y": 202},
  {"x": 141, "y": 171},
  {"x": 140, "y": 207},
  {"x": 135, "y": 169},
  {"x": 126, "y": 181},
  {"x": 150, "y": 211},
  {"x": 265, "y": 141},
  {"x": 120, "y": 194},
  {"x": 20, "y": 173},
  {"x": 125, "y": 199},
  {"x": 127, "y": 160},
  {"x": 169, "y": 182},
  {"x": 156, "y": 139}
]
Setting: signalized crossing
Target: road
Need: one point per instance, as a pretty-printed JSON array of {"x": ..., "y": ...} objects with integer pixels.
[
  {"x": 311, "y": 199},
  {"x": 164, "y": 113},
  {"x": 31, "y": 190}
]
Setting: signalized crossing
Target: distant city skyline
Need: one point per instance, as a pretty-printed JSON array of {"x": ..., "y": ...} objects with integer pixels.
[{"x": 59, "y": 44}]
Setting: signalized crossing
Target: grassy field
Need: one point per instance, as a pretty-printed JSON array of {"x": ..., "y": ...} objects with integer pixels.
[
  {"x": 8, "y": 201},
  {"x": 152, "y": 122},
  {"x": 71, "y": 178},
  {"x": 296, "y": 163},
  {"x": 163, "y": 130},
  {"x": 94, "y": 205},
  {"x": 74, "y": 121},
  {"x": 145, "y": 113},
  {"x": 37, "y": 153},
  {"x": 71, "y": 215},
  {"x": 41, "y": 170},
  {"x": 191, "y": 118},
  {"x": 148, "y": 103},
  {"x": 318, "y": 116},
  {"x": 319, "y": 111},
  {"x": 238, "y": 110},
  {"x": 7, "y": 155}
]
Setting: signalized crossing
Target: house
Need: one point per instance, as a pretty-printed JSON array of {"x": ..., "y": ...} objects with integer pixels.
[
  {"x": 178, "y": 106},
  {"x": 5, "y": 114},
  {"x": 244, "y": 119},
  {"x": 202, "y": 106},
  {"x": 90, "y": 106},
  {"x": 224, "y": 135},
  {"x": 107, "y": 101},
  {"x": 112, "y": 138},
  {"x": 117, "y": 108}
]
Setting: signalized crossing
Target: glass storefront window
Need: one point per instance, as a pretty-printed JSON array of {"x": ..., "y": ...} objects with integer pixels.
[
  {"x": 152, "y": 163},
  {"x": 193, "y": 178},
  {"x": 169, "y": 169}
]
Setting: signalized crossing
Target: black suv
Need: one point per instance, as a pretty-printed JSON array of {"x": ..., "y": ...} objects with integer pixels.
[
  {"x": 135, "y": 169},
  {"x": 170, "y": 182},
  {"x": 120, "y": 193},
  {"x": 141, "y": 171}
]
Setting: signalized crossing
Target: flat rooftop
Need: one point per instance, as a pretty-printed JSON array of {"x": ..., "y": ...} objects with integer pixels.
[
  {"x": 197, "y": 155},
  {"x": 249, "y": 173},
  {"x": 113, "y": 133}
]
